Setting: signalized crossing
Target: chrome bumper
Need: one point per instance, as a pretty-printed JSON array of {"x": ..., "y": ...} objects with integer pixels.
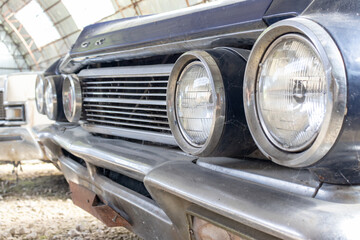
[
  {"x": 18, "y": 143},
  {"x": 246, "y": 196}
]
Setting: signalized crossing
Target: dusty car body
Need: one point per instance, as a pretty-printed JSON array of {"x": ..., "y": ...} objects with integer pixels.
[
  {"x": 118, "y": 129},
  {"x": 17, "y": 117}
]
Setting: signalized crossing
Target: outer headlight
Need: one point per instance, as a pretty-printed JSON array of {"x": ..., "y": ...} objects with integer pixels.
[
  {"x": 295, "y": 92},
  {"x": 202, "y": 98},
  {"x": 71, "y": 98},
  {"x": 39, "y": 93},
  {"x": 292, "y": 93}
]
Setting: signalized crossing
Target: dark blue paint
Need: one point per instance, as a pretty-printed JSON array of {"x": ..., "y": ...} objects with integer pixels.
[
  {"x": 214, "y": 21},
  {"x": 341, "y": 19},
  {"x": 283, "y": 9}
]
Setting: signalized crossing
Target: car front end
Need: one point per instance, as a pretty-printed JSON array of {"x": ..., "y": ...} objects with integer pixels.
[{"x": 233, "y": 120}]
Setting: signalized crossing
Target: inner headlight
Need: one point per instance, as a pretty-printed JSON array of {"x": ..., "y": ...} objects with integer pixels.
[
  {"x": 203, "y": 107},
  {"x": 50, "y": 97},
  {"x": 39, "y": 94},
  {"x": 292, "y": 93},
  {"x": 195, "y": 104},
  {"x": 295, "y": 92},
  {"x": 71, "y": 98}
]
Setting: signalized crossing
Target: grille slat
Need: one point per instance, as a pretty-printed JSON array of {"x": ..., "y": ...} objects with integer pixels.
[
  {"x": 129, "y": 124},
  {"x": 125, "y": 101},
  {"x": 126, "y": 94},
  {"x": 126, "y": 108},
  {"x": 125, "y": 88},
  {"x": 125, "y": 113},
  {"x": 126, "y": 82},
  {"x": 131, "y": 98},
  {"x": 126, "y": 119}
]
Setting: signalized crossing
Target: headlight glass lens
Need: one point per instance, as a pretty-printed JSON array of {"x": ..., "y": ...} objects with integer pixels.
[
  {"x": 69, "y": 99},
  {"x": 292, "y": 93},
  {"x": 194, "y": 103},
  {"x": 50, "y": 98},
  {"x": 39, "y": 94}
]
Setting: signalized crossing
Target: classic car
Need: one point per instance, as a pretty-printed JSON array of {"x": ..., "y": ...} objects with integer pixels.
[
  {"x": 229, "y": 120},
  {"x": 18, "y": 115}
]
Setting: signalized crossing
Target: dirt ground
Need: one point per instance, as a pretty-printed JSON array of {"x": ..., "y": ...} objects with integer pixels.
[{"x": 38, "y": 206}]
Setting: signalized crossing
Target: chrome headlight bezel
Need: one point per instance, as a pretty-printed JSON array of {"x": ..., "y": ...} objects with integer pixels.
[
  {"x": 72, "y": 103},
  {"x": 40, "y": 100},
  {"x": 336, "y": 87},
  {"x": 286, "y": 37},
  {"x": 218, "y": 119},
  {"x": 52, "y": 96}
]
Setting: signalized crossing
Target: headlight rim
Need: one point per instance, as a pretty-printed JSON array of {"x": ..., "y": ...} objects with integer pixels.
[
  {"x": 298, "y": 37},
  {"x": 336, "y": 86},
  {"x": 54, "y": 97},
  {"x": 215, "y": 76},
  {"x": 74, "y": 82},
  {"x": 40, "y": 109}
]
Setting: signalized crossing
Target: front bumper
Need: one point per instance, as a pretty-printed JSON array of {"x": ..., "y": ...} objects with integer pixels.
[
  {"x": 19, "y": 143},
  {"x": 254, "y": 198}
]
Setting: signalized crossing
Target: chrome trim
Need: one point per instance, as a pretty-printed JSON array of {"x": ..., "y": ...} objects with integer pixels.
[
  {"x": 125, "y": 118},
  {"x": 162, "y": 70},
  {"x": 289, "y": 209},
  {"x": 131, "y": 133},
  {"x": 135, "y": 82},
  {"x": 12, "y": 123},
  {"x": 71, "y": 65},
  {"x": 276, "y": 212},
  {"x": 265, "y": 173},
  {"x": 128, "y": 88},
  {"x": 219, "y": 98},
  {"x": 50, "y": 82},
  {"x": 40, "y": 79},
  {"x": 336, "y": 102},
  {"x": 305, "y": 41},
  {"x": 72, "y": 115},
  {"x": 127, "y": 113},
  {"x": 134, "y": 101},
  {"x": 127, "y": 124},
  {"x": 129, "y": 94},
  {"x": 128, "y": 158},
  {"x": 142, "y": 86},
  {"x": 18, "y": 143},
  {"x": 126, "y": 108}
]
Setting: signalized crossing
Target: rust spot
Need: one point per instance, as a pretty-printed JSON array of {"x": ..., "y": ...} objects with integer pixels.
[{"x": 87, "y": 200}]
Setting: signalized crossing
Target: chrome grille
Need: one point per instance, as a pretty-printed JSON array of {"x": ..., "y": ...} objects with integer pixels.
[
  {"x": 127, "y": 101},
  {"x": 2, "y": 109}
]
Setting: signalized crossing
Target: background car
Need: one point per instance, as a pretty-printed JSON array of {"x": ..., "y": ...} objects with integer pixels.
[{"x": 18, "y": 115}]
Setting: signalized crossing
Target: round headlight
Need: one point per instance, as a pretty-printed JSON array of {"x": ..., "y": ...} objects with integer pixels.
[
  {"x": 50, "y": 97},
  {"x": 295, "y": 92},
  {"x": 203, "y": 107},
  {"x": 71, "y": 97},
  {"x": 292, "y": 93},
  {"x": 195, "y": 103},
  {"x": 39, "y": 94}
]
